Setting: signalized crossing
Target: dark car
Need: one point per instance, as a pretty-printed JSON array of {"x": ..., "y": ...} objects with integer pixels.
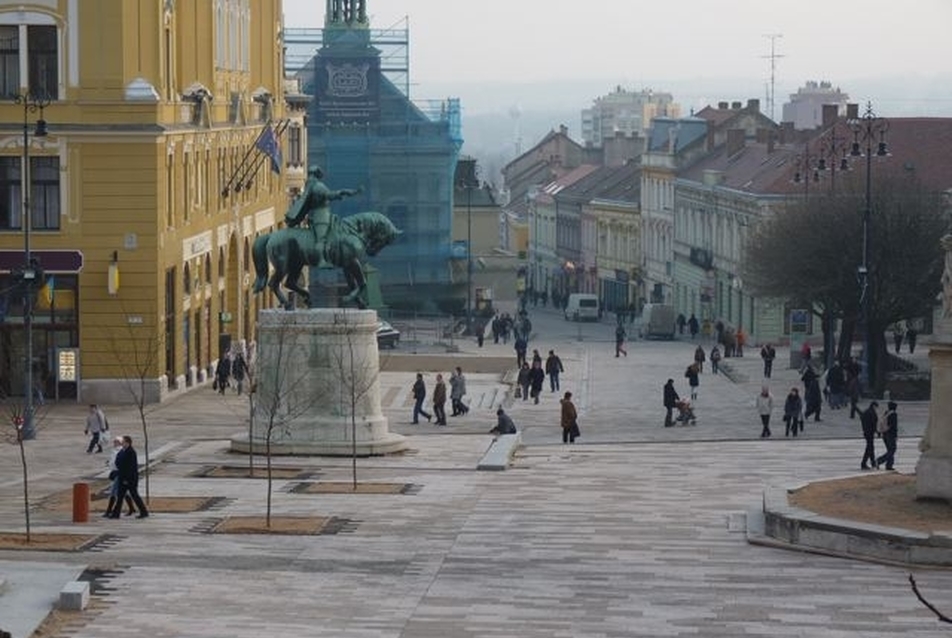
[{"x": 387, "y": 335}]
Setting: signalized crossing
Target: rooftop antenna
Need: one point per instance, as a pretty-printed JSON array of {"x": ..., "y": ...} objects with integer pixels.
[{"x": 773, "y": 57}]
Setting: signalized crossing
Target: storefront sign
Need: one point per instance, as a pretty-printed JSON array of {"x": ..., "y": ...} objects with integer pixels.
[{"x": 67, "y": 364}]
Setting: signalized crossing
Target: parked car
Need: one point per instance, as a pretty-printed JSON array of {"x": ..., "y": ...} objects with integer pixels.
[{"x": 387, "y": 335}]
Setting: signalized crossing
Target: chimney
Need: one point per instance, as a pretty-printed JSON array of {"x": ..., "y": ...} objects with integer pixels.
[
  {"x": 852, "y": 111},
  {"x": 771, "y": 140},
  {"x": 735, "y": 106},
  {"x": 709, "y": 143},
  {"x": 563, "y": 129},
  {"x": 722, "y": 106},
  {"x": 786, "y": 133},
  {"x": 753, "y": 105},
  {"x": 735, "y": 141},
  {"x": 761, "y": 135},
  {"x": 830, "y": 112}
]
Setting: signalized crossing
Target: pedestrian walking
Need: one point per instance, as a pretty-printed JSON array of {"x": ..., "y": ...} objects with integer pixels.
[
  {"x": 692, "y": 375},
  {"x": 439, "y": 400},
  {"x": 693, "y": 326},
  {"x": 520, "y": 345},
  {"x": 852, "y": 390},
  {"x": 127, "y": 472},
  {"x": 868, "y": 419},
  {"x": 222, "y": 373},
  {"x": 553, "y": 368},
  {"x": 768, "y": 354},
  {"x": 536, "y": 379},
  {"x": 812, "y": 395},
  {"x": 836, "y": 386},
  {"x": 911, "y": 335},
  {"x": 898, "y": 332},
  {"x": 699, "y": 359},
  {"x": 96, "y": 424},
  {"x": 457, "y": 392},
  {"x": 523, "y": 382},
  {"x": 238, "y": 371},
  {"x": 764, "y": 409},
  {"x": 715, "y": 359},
  {"x": 671, "y": 399},
  {"x": 419, "y": 394},
  {"x": 889, "y": 430},
  {"x": 114, "y": 478},
  {"x": 569, "y": 420},
  {"x": 536, "y": 358},
  {"x": 793, "y": 413},
  {"x": 681, "y": 321},
  {"x": 620, "y": 340}
]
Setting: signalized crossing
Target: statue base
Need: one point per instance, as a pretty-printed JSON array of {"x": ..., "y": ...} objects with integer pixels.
[
  {"x": 934, "y": 468},
  {"x": 317, "y": 389},
  {"x": 934, "y": 477}
]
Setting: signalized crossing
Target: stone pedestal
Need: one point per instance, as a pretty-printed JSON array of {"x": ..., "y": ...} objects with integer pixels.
[
  {"x": 934, "y": 469},
  {"x": 316, "y": 374}
]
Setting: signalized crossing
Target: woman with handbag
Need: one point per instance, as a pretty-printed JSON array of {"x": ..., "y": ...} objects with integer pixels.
[{"x": 570, "y": 429}]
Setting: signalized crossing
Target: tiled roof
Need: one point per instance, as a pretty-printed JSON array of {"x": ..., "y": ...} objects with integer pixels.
[
  {"x": 554, "y": 187},
  {"x": 619, "y": 183},
  {"x": 915, "y": 144}
]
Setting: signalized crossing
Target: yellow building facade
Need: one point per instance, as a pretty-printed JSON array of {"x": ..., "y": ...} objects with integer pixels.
[{"x": 147, "y": 192}]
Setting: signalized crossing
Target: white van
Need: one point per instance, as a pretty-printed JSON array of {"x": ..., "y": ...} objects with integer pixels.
[
  {"x": 582, "y": 306},
  {"x": 657, "y": 320}
]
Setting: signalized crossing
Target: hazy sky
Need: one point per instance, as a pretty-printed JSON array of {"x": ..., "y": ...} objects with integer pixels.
[{"x": 640, "y": 44}]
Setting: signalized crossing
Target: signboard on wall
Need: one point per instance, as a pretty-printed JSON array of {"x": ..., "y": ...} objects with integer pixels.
[
  {"x": 67, "y": 364},
  {"x": 348, "y": 90}
]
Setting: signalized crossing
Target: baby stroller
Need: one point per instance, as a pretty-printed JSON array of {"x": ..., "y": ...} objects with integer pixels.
[{"x": 685, "y": 413}]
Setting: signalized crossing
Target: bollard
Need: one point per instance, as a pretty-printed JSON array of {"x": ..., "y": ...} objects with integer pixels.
[{"x": 80, "y": 502}]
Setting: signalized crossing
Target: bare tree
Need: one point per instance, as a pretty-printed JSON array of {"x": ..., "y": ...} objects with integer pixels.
[
  {"x": 810, "y": 253},
  {"x": 357, "y": 370},
  {"x": 282, "y": 389},
  {"x": 15, "y": 410},
  {"x": 137, "y": 357}
]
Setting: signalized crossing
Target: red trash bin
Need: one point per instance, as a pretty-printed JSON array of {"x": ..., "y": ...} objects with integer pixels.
[{"x": 80, "y": 502}]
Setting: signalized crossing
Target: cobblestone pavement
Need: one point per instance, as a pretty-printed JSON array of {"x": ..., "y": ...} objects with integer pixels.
[{"x": 631, "y": 532}]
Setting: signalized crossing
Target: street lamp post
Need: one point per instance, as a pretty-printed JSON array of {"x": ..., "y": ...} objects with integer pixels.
[
  {"x": 867, "y": 129},
  {"x": 468, "y": 184},
  {"x": 31, "y": 268}
]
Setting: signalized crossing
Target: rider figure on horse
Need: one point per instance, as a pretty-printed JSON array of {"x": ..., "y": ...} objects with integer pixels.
[{"x": 314, "y": 204}]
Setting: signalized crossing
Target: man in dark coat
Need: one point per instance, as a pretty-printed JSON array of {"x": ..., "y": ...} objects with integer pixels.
[
  {"x": 127, "y": 465},
  {"x": 553, "y": 368},
  {"x": 812, "y": 396},
  {"x": 869, "y": 418},
  {"x": 419, "y": 393},
  {"x": 536, "y": 378},
  {"x": 693, "y": 325},
  {"x": 671, "y": 399}
]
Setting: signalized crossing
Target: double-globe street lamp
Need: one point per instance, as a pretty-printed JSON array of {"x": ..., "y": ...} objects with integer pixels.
[
  {"x": 32, "y": 103},
  {"x": 869, "y": 130}
]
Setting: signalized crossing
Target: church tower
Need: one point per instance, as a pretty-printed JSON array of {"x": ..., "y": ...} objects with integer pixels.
[{"x": 364, "y": 130}]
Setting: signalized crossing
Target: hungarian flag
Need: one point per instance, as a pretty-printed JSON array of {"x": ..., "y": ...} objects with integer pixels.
[{"x": 268, "y": 144}]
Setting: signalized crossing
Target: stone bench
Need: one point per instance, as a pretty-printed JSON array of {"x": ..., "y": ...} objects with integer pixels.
[
  {"x": 500, "y": 452},
  {"x": 74, "y": 596}
]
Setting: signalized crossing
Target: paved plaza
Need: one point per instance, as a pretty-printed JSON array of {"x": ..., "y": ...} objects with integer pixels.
[{"x": 630, "y": 532}]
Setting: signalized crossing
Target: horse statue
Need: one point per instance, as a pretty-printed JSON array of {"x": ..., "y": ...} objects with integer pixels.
[{"x": 348, "y": 240}]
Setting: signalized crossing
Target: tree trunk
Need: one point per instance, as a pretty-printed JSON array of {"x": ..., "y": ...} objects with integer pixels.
[{"x": 844, "y": 351}]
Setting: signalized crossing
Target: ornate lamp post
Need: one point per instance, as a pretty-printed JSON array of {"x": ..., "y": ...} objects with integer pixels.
[
  {"x": 869, "y": 131},
  {"x": 31, "y": 268}
]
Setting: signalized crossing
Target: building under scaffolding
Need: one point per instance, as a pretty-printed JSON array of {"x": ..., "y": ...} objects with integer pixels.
[{"x": 364, "y": 130}]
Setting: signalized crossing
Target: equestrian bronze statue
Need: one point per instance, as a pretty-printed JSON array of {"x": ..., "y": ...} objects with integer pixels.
[{"x": 328, "y": 241}]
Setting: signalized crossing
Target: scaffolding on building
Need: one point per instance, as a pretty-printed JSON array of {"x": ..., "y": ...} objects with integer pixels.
[{"x": 408, "y": 148}]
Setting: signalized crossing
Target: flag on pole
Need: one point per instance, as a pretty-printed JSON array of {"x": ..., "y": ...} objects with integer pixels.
[{"x": 268, "y": 144}]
